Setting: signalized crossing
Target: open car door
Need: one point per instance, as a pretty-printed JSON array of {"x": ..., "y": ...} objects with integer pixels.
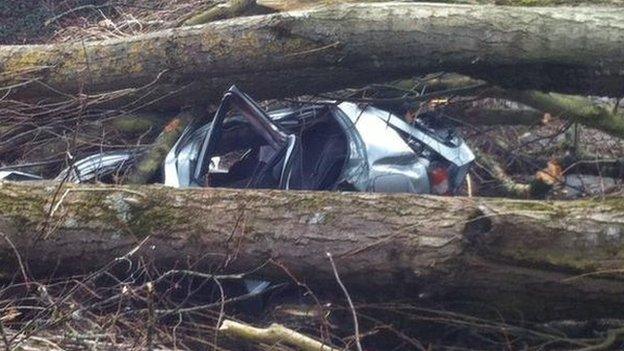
[{"x": 242, "y": 148}]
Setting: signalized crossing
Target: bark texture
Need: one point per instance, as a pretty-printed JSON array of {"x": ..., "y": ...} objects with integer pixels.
[
  {"x": 577, "y": 50},
  {"x": 576, "y": 108},
  {"x": 542, "y": 258},
  {"x": 232, "y": 8},
  {"x": 153, "y": 159},
  {"x": 580, "y": 109},
  {"x": 275, "y": 333}
]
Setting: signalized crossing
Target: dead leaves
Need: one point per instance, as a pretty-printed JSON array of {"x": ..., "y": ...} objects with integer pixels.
[{"x": 552, "y": 174}]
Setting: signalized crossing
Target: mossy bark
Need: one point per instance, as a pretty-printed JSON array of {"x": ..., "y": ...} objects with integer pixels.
[
  {"x": 496, "y": 116},
  {"x": 152, "y": 160},
  {"x": 285, "y": 5},
  {"x": 232, "y": 8},
  {"x": 580, "y": 109},
  {"x": 577, "y": 50},
  {"x": 540, "y": 257},
  {"x": 576, "y": 108},
  {"x": 510, "y": 186}
]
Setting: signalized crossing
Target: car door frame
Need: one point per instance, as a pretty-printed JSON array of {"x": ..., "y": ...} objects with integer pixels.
[{"x": 279, "y": 140}]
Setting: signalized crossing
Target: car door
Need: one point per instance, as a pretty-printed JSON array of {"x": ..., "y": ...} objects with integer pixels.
[{"x": 254, "y": 150}]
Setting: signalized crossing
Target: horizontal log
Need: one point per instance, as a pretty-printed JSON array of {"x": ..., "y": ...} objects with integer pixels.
[
  {"x": 578, "y": 50},
  {"x": 286, "y": 5},
  {"x": 580, "y": 109},
  {"x": 576, "y": 108},
  {"x": 544, "y": 258}
]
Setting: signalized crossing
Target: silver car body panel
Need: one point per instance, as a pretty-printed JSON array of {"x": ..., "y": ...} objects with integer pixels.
[
  {"x": 385, "y": 162},
  {"x": 182, "y": 158},
  {"x": 459, "y": 154},
  {"x": 18, "y": 176},
  {"x": 94, "y": 166},
  {"x": 391, "y": 164}
]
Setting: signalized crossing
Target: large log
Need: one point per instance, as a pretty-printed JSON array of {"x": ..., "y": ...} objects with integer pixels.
[
  {"x": 578, "y": 50},
  {"x": 541, "y": 258},
  {"x": 584, "y": 110}
]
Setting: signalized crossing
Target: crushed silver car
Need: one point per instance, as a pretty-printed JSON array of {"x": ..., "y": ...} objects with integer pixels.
[
  {"x": 314, "y": 146},
  {"x": 320, "y": 146}
]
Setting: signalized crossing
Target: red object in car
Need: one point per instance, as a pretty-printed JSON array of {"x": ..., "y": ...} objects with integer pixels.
[{"x": 439, "y": 181}]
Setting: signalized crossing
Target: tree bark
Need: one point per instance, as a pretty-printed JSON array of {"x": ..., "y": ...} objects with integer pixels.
[
  {"x": 152, "y": 160},
  {"x": 232, "y": 8},
  {"x": 580, "y": 109},
  {"x": 275, "y": 333},
  {"x": 286, "y": 5},
  {"x": 578, "y": 50},
  {"x": 576, "y": 108},
  {"x": 542, "y": 258}
]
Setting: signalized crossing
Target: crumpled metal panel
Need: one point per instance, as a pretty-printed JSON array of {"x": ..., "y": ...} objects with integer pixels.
[
  {"x": 18, "y": 176},
  {"x": 391, "y": 164},
  {"x": 96, "y": 166}
]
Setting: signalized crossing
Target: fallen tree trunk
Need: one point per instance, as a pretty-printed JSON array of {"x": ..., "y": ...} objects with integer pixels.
[
  {"x": 578, "y": 50},
  {"x": 576, "y": 108},
  {"x": 286, "y": 5},
  {"x": 542, "y": 258},
  {"x": 150, "y": 162},
  {"x": 580, "y": 109}
]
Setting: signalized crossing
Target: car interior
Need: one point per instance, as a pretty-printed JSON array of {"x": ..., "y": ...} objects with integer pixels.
[{"x": 244, "y": 159}]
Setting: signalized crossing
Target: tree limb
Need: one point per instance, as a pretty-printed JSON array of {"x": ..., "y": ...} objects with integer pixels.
[
  {"x": 231, "y": 9},
  {"x": 152, "y": 160},
  {"x": 579, "y": 109},
  {"x": 275, "y": 333}
]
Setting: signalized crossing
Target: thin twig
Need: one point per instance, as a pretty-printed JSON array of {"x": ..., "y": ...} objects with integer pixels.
[
  {"x": 344, "y": 289},
  {"x": 19, "y": 259},
  {"x": 151, "y": 320},
  {"x": 5, "y": 339},
  {"x": 221, "y": 312},
  {"x": 75, "y": 9}
]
